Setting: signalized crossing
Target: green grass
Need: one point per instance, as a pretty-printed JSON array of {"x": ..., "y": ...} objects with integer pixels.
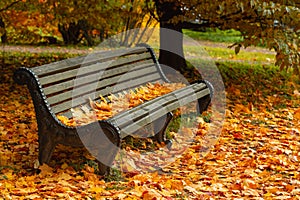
[
  {"x": 256, "y": 79},
  {"x": 229, "y": 54},
  {"x": 232, "y": 71},
  {"x": 228, "y": 36},
  {"x": 219, "y": 53}
]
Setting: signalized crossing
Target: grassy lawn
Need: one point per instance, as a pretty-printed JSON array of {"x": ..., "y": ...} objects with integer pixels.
[
  {"x": 243, "y": 55},
  {"x": 217, "y": 35},
  {"x": 227, "y": 54},
  {"x": 218, "y": 47}
]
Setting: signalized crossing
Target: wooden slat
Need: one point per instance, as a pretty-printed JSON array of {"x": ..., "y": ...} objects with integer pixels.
[
  {"x": 96, "y": 85},
  {"x": 133, "y": 83},
  {"x": 156, "y": 114},
  {"x": 123, "y": 86},
  {"x": 100, "y": 56},
  {"x": 141, "y": 114},
  {"x": 175, "y": 94},
  {"x": 73, "y": 73},
  {"x": 58, "y": 65},
  {"x": 97, "y": 76},
  {"x": 138, "y": 112}
]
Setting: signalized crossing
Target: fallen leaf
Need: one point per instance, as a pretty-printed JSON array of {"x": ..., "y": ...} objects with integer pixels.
[{"x": 45, "y": 170}]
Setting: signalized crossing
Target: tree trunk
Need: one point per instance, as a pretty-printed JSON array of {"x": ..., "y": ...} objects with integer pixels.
[
  {"x": 171, "y": 47},
  {"x": 70, "y": 33},
  {"x": 171, "y": 38},
  {"x": 84, "y": 28},
  {"x": 73, "y": 33},
  {"x": 63, "y": 31},
  {"x": 3, "y": 31}
]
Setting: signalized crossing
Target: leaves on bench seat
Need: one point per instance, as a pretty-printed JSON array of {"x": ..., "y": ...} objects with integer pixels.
[{"x": 103, "y": 109}]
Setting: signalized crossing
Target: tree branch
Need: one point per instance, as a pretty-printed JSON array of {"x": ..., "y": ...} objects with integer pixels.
[
  {"x": 151, "y": 11},
  {"x": 9, "y": 5}
]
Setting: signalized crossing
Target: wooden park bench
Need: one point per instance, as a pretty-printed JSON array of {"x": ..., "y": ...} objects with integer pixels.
[{"x": 57, "y": 87}]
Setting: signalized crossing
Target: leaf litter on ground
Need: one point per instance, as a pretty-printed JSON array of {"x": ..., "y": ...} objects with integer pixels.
[{"x": 257, "y": 155}]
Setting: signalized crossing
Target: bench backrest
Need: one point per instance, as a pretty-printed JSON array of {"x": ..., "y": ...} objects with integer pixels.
[{"x": 70, "y": 83}]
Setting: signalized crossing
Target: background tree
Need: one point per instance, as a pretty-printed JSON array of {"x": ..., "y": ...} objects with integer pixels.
[
  {"x": 274, "y": 24},
  {"x": 134, "y": 14},
  {"x": 24, "y": 23},
  {"x": 171, "y": 47},
  {"x": 71, "y": 18},
  {"x": 4, "y": 6},
  {"x": 85, "y": 22}
]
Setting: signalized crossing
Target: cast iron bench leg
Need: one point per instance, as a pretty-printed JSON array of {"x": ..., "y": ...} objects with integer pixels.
[
  {"x": 102, "y": 140},
  {"x": 47, "y": 145},
  {"x": 203, "y": 104},
  {"x": 160, "y": 126}
]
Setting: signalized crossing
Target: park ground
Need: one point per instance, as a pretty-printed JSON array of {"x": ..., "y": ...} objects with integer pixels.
[{"x": 257, "y": 155}]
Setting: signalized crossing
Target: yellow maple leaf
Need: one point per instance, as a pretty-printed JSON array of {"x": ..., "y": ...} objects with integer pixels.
[
  {"x": 241, "y": 108},
  {"x": 45, "y": 170},
  {"x": 96, "y": 189},
  {"x": 64, "y": 166},
  {"x": 297, "y": 114}
]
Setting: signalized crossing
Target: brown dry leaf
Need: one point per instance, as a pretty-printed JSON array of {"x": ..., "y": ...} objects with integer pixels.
[
  {"x": 45, "y": 170},
  {"x": 250, "y": 184},
  {"x": 151, "y": 194},
  {"x": 240, "y": 108},
  {"x": 296, "y": 93},
  {"x": 297, "y": 114}
]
